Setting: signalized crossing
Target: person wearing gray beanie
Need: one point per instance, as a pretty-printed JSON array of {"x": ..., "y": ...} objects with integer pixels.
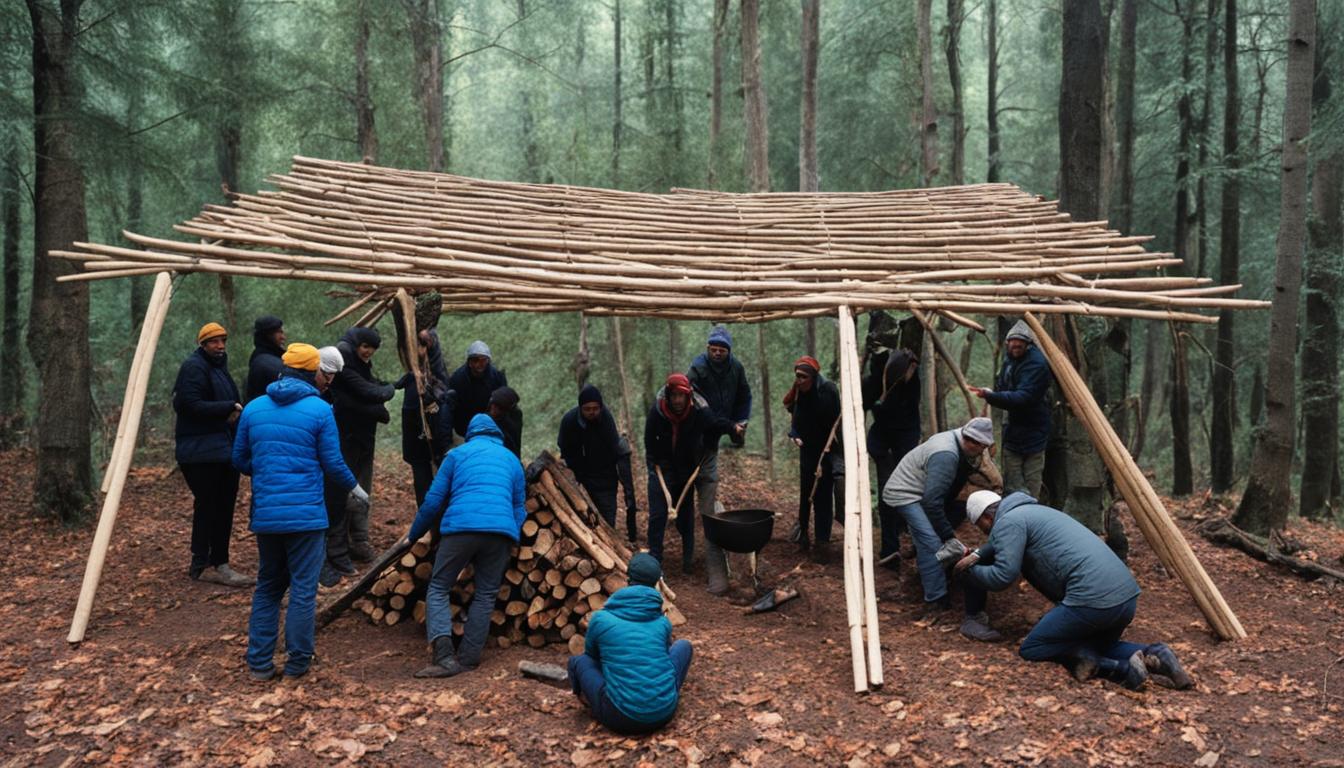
[
  {"x": 473, "y": 383},
  {"x": 1022, "y": 391}
]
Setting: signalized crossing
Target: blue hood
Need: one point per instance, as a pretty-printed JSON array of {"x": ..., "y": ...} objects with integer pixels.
[
  {"x": 1012, "y": 501},
  {"x": 636, "y": 603},
  {"x": 289, "y": 390},
  {"x": 483, "y": 426}
]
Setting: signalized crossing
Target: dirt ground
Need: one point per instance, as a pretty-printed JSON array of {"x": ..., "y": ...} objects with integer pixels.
[{"x": 160, "y": 678}]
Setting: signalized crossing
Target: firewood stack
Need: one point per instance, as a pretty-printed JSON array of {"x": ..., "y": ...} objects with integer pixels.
[{"x": 568, "y": 561}]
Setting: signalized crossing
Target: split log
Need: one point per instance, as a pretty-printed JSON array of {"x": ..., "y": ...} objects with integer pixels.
[{"x": 1221, "y": 531}]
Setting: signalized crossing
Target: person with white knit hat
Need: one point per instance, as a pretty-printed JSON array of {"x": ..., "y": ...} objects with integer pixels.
[{"x": 1094, "y": 593}]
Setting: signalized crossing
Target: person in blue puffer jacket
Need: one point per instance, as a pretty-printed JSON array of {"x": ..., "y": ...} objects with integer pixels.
[
  {"x": 287, "y": 441},
  {"x": 630, "y": 672},
  {"x": 477, "y": 501}
]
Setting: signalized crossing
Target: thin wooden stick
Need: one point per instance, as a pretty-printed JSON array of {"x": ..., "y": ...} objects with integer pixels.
[
  {"x": 854, "y": 582},
  {"x": 361, "y": 301}
]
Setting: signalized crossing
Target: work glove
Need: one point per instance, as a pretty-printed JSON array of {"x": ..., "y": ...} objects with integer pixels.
[
  {"x": 951, "y": 551},
  {"x": 357, "y": 501}
]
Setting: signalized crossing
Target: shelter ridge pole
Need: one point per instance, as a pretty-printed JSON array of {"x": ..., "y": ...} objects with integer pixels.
[{"x": 137, "y": 383}]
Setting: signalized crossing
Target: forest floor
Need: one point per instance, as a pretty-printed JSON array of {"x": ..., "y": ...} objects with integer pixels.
[{"x": 160, "y": 678}]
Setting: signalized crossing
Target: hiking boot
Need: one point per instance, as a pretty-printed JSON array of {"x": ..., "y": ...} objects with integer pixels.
[
  {"x": 361, "y": 552},
  {"x": 343, "y": 565},
  {"x": 294, "y": 674},
  {"x": 1132, "y": 674},
  {"x": 716, "y": 570},
  {"x": 976, "y": 627},
  {"x": 231, "y": 578},
  {"x": 804, "y": 545},
  {"x": 821, "y": 553},
  {"x": 328, "y": 576},
  {"x": 263, "y": 675},
  {"x": 443, "y": 661},
  {"x": 1161, "y": 661},
  {"x": 1084, "y": 667},
  {"x": 936, "y": 610}
]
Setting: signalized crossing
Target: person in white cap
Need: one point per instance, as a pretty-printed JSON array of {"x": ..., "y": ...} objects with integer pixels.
[
  {"x": 923, "y": 490},
  {"x": 1094, "y": 593}
]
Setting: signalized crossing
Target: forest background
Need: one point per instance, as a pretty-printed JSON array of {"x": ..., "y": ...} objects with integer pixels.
[{"x": 164, "y": 105}]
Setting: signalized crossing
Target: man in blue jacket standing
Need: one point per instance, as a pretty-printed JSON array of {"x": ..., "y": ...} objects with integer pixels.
[
  {"x": 630, "y": 672},
  {"x": 477, "y": 502},
  {"x": 718, "y": 377},
  {"x": 1095, "y": 595},
  {"x": 288, "y": 441},
  {"x": 1023, "y": 390}
]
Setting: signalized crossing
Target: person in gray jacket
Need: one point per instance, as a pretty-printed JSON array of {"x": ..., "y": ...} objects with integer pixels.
[
  {"x": 1094, "y": 593},
  {"x": 923, "y": 490}
]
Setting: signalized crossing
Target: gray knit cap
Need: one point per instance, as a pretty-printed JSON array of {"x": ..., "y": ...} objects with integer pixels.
[
  {"x": 1021, "y": 330},
  {"x": 980, "y": 429},
  {"x": 478, "y": 348}
]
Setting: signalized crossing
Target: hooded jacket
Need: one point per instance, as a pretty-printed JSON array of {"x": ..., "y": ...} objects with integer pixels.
[
  {"x": 204, "y": 396},
  {"x": 895, "y": 408},
  {"x": 358, "y": 398},
  {"x": 590, "y": 449},
  {"x": 1056, "y": 554},
  {"x": 287, "y": 441},
  {"x": 413, "y": 446},
  {"x": 629, "y": 637},
  {"x": 264, "y": 366},
  {"x": 931, "y": 475},
  {"x": 814, "y": 413},
  {"x": 723, "y": 385},
  {"x": 479, "y": 487},
  {"x": 473, "y": 394},
  {"x": 1023, "y": 390},
  {"x": 679, "y": 457}
]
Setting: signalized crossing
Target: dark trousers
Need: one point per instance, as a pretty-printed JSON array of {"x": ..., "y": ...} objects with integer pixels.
[
  {"x": 829, "y": 490},
  {"x": 214, "y": 487},
  {"x": 285, "y": 561},
  {"x": 605, "y": 499},
  {"x": 343, "y": 529},
  {"x": 422, "y": 476},
  {"x": 658, "y": 517},
  {"x": 585, "y": 677},
  {"x": 1066, "y": 633},
  {"x": 488, "y": 554},
  {"x": 892, "y": 525}
]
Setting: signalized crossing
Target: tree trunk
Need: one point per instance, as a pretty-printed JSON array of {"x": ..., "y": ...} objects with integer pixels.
[
  {"x": 952, "y": 49},
  {"x": 673, "y": 101},
  {"x": 1123, "y": 217},
  {"x": 228, "y": 125},
  {"x": 992, "y": 92},
  {"x": 141, "y": 287},
  {"x": 716, "y": 92},
  {"x": 616, "y": 118},
  {"x": 618, "y": 341},
  {"x": 1202, "y": 135},
  {"x": 1264, "y": 506},
  {"x": 11, "y": 354},
  {"x": 366, "y": 135},
  {"x": 426, "y": 27},
  {"x": 928, "y": 112},
  {"x": 58, "y": 336},
  {"x": 1182, "y": 480},
  {"x": 753, "y": 94},
  {"x": 1222, "y": 431},
  {"x": 1320, "y": 345},
  {"x": 808, "y": 180}
]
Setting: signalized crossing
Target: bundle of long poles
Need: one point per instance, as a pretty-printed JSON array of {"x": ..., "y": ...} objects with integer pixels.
[{"x": 1157, "y": 526}]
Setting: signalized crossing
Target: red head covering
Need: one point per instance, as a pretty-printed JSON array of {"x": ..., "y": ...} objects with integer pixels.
[
  {"x": 676, "y": 382},
  {"x": 809, "y": 362},
  {"x": 679, "y": 382}
]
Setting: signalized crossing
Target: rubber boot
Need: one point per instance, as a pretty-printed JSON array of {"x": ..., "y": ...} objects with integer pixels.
[
  {"x": 1167, "y": 671},
  {"x": 716, "y": 569},
  {"x": 443, "y": 661},
  {"x": 1132, "y": 674}
]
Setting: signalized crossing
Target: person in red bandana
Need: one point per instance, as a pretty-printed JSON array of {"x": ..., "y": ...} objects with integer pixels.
[{"x": 814, "y": 404}]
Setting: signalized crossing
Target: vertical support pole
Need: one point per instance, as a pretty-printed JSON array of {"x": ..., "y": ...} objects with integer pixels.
[
  {"x": 136, "y": 385},
  {"x": 120, "y": 441}
]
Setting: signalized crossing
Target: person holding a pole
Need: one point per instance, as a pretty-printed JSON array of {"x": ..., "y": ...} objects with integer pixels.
[{"x": 814, "y": 403}]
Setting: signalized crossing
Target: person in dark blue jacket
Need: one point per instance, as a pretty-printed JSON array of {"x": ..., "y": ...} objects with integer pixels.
[
  {"x": 477, "y": 502},
  {"x": 1094, "y": 593},
  {"x": 630, "y": 672},
  {"x": 1023, "y": 390},
  {"x": 288, "y": 442},
  {"x": 592, "y": 449},
  {"x": 892, "y": 393},
  {"x": 207, "y": 404},
  {"x": 424, "y": 454},
  {"x": 264, "y": 366},
  {"x": 503, "y": 408},
  {"x": 473, "y": 383}
]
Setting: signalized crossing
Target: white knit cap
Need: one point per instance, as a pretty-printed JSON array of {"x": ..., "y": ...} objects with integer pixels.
[
  {"x": 977, "y": 502},
  {"x": 330, "y": 360}
]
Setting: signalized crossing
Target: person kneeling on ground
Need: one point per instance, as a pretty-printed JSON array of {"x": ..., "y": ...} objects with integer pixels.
[
  {"x": 1094, "y": 593},
  {"x": 477, "y": 501},
  {"x": 630, "y": 672}
]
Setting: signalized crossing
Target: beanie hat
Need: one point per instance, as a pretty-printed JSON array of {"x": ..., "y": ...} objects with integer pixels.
[
  {"x": 267, "y": 324},
  {"x": 590, "y": 394},
  {"x": 368, "y": 336},
  {"x": 898, "y": 364},
  {"x": 210, "y": 331},
  {"x": 643, "y": 570},
  {"x": 720, "y": 337},
  {"x": 303, "y": 357},
  {"x": 330, "y": 360},
  {"x": 677, "y": 382},
  {"x": 808, "y": 364},
  {"x": 478, "y": 349},
  {"x": 1021, "y": 330},
  {"x": 504, "y": 397},
  {"x": 980, "y": 429},
  {"x": 978, "y": 502}
]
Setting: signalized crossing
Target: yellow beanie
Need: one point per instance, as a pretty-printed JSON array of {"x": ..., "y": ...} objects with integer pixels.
[
  {"x": 302, "y": 356},
  {"x": 210, "y": 331}
]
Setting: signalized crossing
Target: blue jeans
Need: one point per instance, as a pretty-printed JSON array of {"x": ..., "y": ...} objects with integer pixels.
[
  {"x": 585, "y": 677},
  {"x": 931, "y": 573},
  {"x": 1065, "y": 633},
  {"x": 488, "y": 554},
  {"x": 285, "y": 561}
]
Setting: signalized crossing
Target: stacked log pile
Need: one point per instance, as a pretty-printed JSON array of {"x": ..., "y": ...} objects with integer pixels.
[{"x": 567, "y": 562}]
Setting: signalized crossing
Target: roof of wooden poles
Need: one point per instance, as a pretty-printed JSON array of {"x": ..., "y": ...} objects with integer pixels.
[{"x": 690, "y": 254}]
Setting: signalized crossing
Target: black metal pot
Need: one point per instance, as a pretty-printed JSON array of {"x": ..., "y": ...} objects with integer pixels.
[{"x": 740, "y": 530}]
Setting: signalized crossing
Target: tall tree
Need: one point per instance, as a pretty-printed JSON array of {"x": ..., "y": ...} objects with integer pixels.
[
  {"x": 1182, "y": 473},
  {"x": 366, "y": 133},
  {"x": 1264, "y": 506},
  {"x": 808, "y": 175},
  {"x": 758, "y": 173},
  {"x": 616, "y": 98},
  {"x": 928, "y": 112},
  {"x": 58, "y": 329},
  {"x": 11, "y": 354},
  {"x": 992, "y": 92},
  {"x": 1320, "y": 344},
  {"x": 952, "y": 48},
  {"x": 228, "y": 54},
  {"x": 716, "y": 91},
  {"x": 1221, "y": 433},
  {"x": 425, "y": 21}
]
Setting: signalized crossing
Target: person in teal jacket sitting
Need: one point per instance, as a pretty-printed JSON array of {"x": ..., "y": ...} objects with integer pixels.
[{"x": 630, "y": 672}]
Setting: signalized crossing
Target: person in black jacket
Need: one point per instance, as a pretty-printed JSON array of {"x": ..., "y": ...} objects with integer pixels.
[
  {"x": 815, "y": 405},
  {"x": 207, "y": 404},
  {"x": 438, "y": 402},
  {"x": 268, "y": 344},
  {"x": 891, "y": 392},
  {"x": 675, "y": 435},
  {"x": 503, "y": 408},
  {"x": 474, "y": 382},
  {"x": 359, "y": 402},
  {"x": 592, "y": 449}
]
